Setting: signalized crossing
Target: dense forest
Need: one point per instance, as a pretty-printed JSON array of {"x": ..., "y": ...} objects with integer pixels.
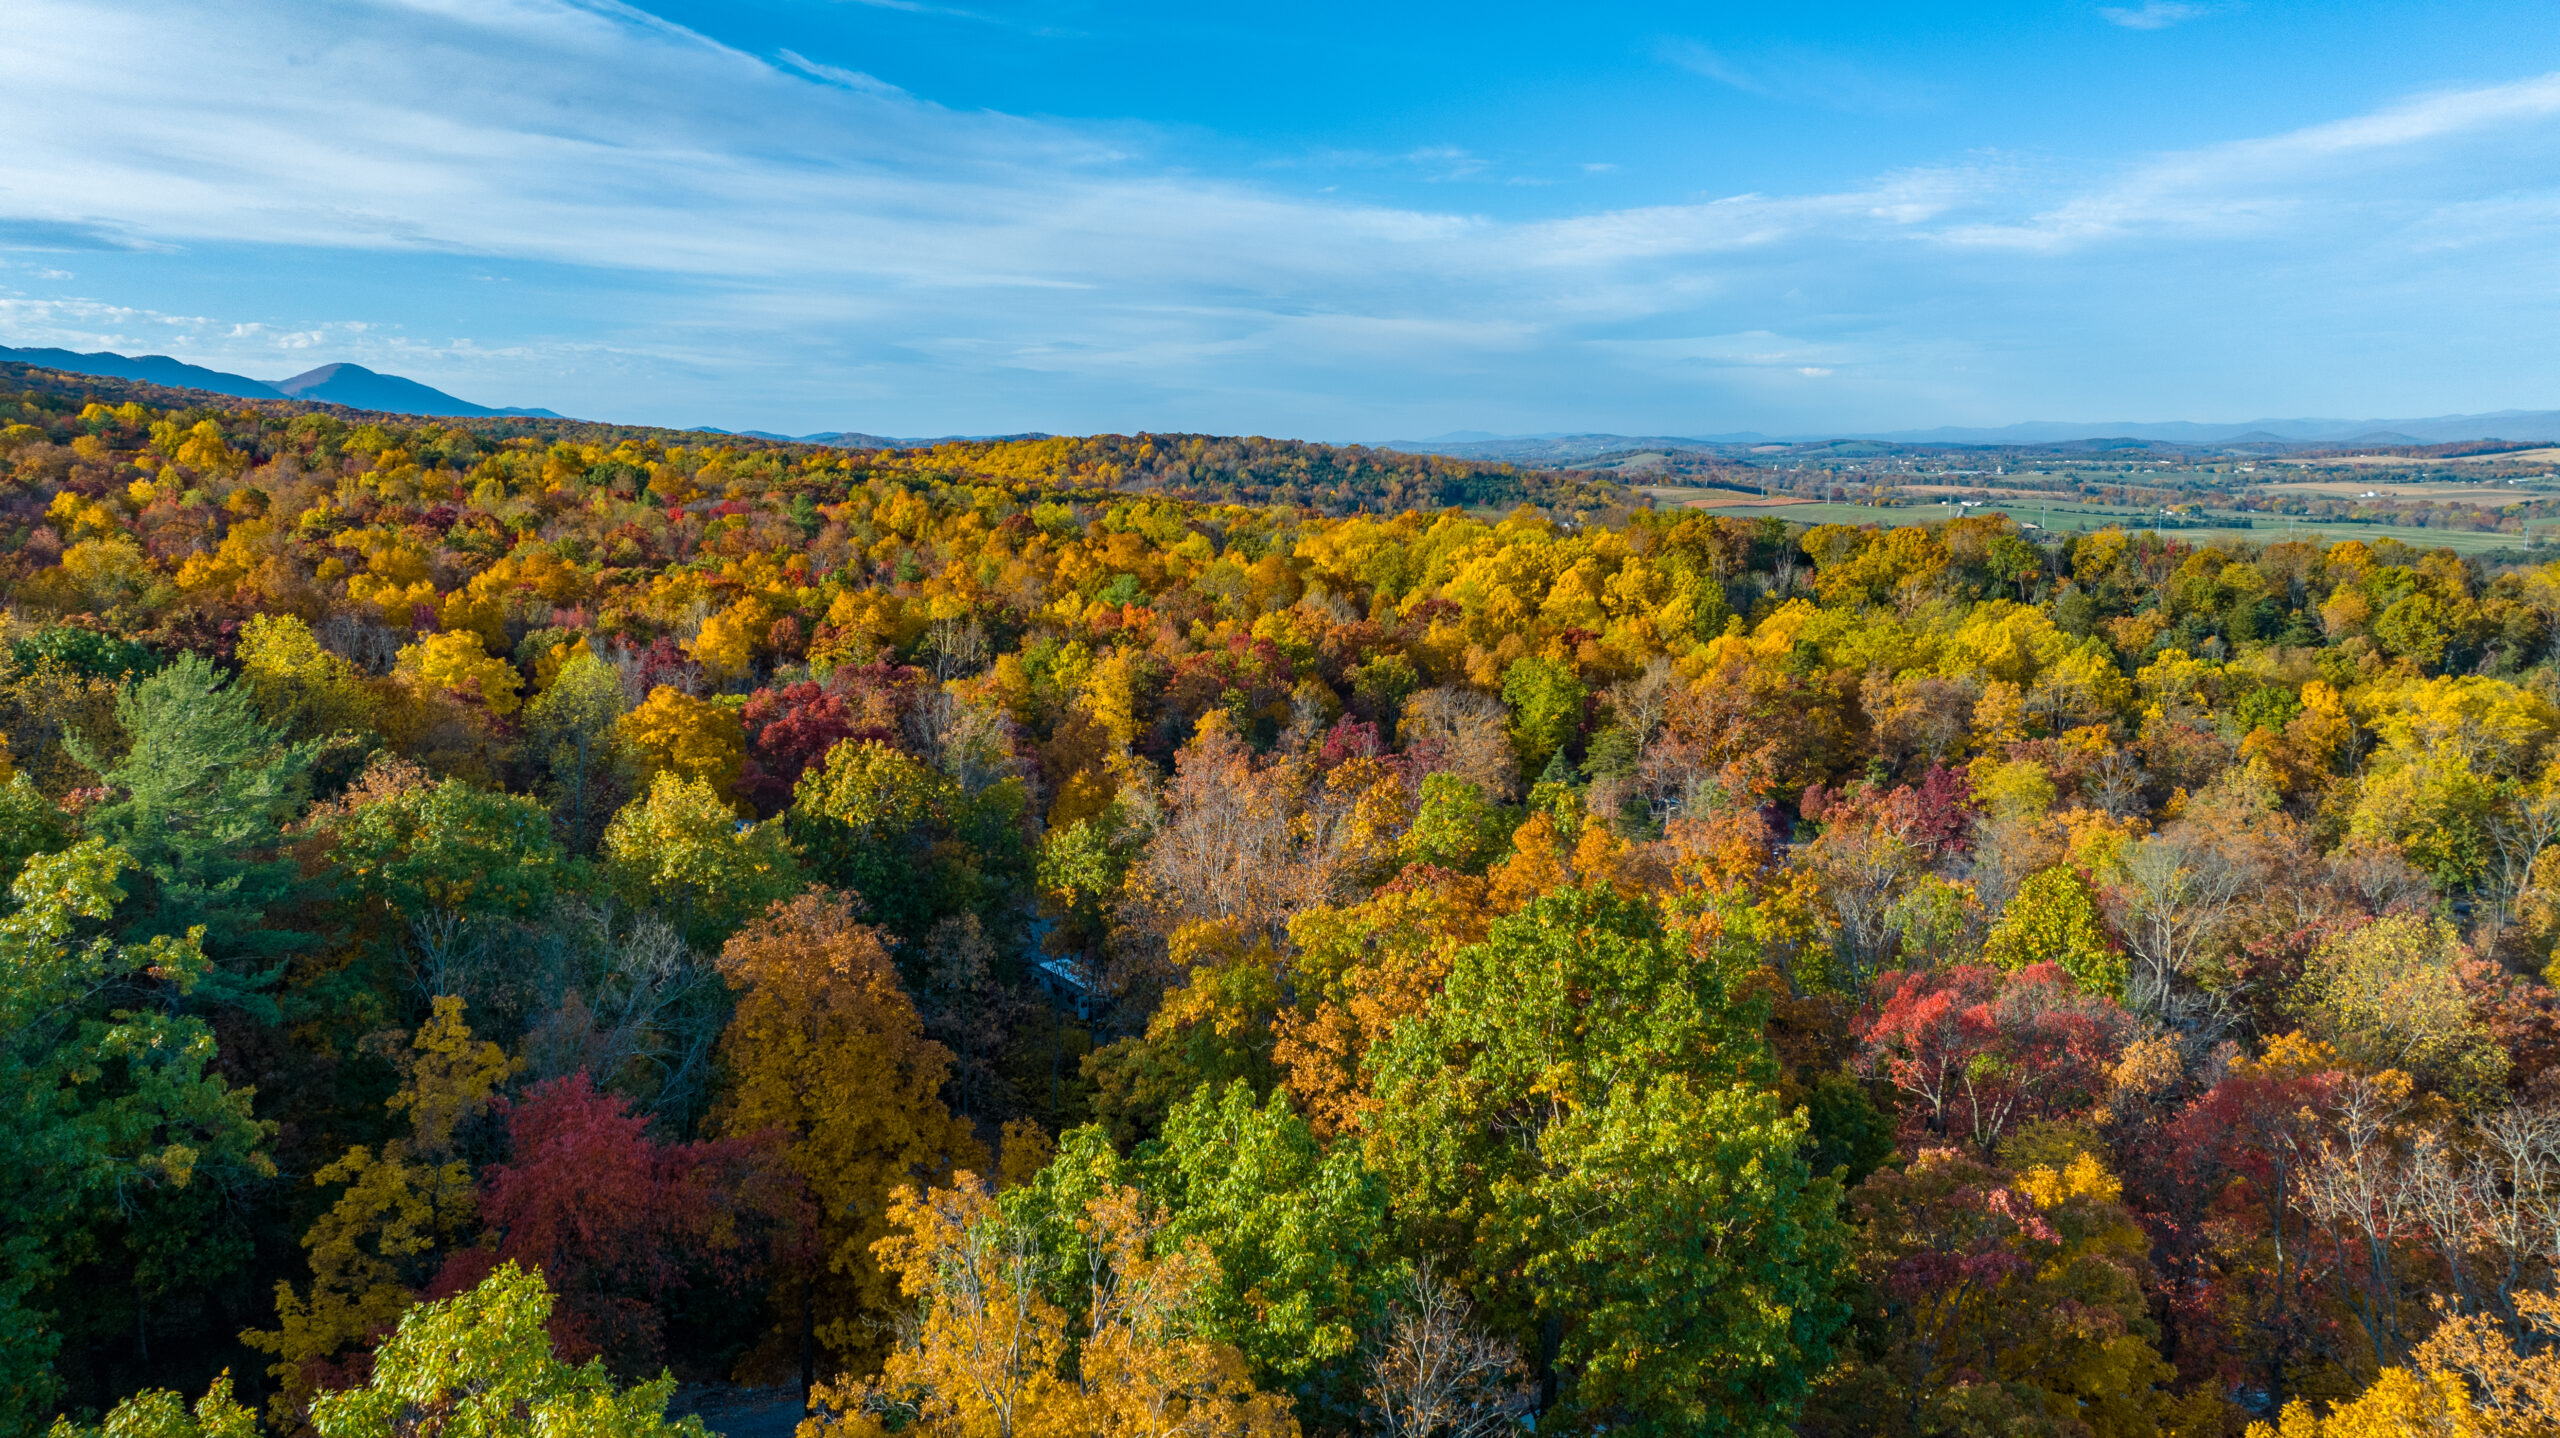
[{"x": 1181, "y": 936}]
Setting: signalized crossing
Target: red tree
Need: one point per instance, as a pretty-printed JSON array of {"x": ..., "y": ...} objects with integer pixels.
[
  {"x": 616, "y": 1220},
  {"x": 1975, "y": 1049},
  {"x": 2244, "y": 1274},
  {"x": 789, "y": 729}
]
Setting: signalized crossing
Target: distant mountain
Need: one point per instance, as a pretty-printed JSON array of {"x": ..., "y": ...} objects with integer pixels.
[
  {"x": 156, "y": 369},
  {"x": 1568, "y": 449},
  {"x": 351, "y": 385},
  {"x": 1551, "y": 450},
  {"x": 356, "y": 387},
  {"x": 2534, "y": 424},
  {"x": 855, "y": 439}
]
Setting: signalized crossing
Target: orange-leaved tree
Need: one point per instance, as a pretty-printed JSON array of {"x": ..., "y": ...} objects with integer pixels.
[{"x": 827, "y": 1049}]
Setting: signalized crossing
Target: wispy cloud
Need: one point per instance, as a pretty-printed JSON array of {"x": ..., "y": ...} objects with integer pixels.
[
  {"x": 1799, "y": 75},
  {"x": 2263, "y": 184},
  {"x": 2154, "y": 15},
  {"x": 837, "y": 74}
]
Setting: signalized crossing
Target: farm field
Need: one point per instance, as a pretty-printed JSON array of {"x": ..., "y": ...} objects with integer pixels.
[
  {"x": 2493, "y": 494},
  {"x": 2064, "y": 518},
  {"x": 2548, "y": 454},
  {"x": 1683, "y": 496}
]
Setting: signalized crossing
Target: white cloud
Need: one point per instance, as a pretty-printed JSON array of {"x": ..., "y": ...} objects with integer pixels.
[
  {"x": 2263, "y": 184},
  {"x": 840, "y": 247},
  {"x": 2154, "y": 15},
  {"x": 1797, "y": 74}
]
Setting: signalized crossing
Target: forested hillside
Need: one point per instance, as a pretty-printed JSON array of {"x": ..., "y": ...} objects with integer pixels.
[
  {"x": 1094, "y": 937},
  {"x": 1334, "y": 479}
]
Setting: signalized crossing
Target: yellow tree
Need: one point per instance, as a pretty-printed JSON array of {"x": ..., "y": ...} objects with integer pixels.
[
  {"x": 2400, "y": 1404},
  {"x": 1145, "y": 1371},
  {"x": 1361, "y": 970},
  {"x": 828, "y": 1049},
  {"x": 674, "y": 733},
  {"x": 983, "y": 1355},
  {"x": 301, "y": 687},
  {"x": 990, "y": 1355},
  {"x": 728, "y": 640},
  {"x": 455, "y": 659}
]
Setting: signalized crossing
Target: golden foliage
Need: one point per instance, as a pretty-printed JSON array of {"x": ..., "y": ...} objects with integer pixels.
[
  {"x": 990, "y": 1356},
  {"x": 674, "y": 733}
]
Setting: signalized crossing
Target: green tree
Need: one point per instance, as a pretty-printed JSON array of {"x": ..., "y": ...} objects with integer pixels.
[
  {"x": 480, "y": 1365},
  {"x": 1455, "y": 826},
  {"x": 684, "y": 850},
  {"x": 1299, "y": 1234},
  {"x": 159, "y": 1413},
  {"x": 2054, "y": 919},
  {"x": 105, "y": 1096},
  {"x": 1585, "y": 1123},
  {"x": 916, "y": 844},
  {"x": 29, "y": 825},
  {"x": 1547, "y": 700},
  {"x": 201, "y": 796},
  {"x": 2414, "y": 629},
  {"x": 569, "y": 731}
]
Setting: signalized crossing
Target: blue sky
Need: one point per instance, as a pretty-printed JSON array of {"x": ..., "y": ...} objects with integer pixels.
[{"x": 1324, "y": 220}]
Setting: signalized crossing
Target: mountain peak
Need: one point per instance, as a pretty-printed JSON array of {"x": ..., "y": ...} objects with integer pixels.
[{"x": 356, "y": 387}]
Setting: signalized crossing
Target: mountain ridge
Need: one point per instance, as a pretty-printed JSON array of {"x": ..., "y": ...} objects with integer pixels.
[{"x": 351, "y": 385}]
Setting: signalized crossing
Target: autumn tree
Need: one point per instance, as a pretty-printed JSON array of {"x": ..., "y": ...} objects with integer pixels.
[
  {"x": 991, "y": 1351},
  {"x": 788, "y": 729},
  {"x": 616, "y": 1220},
  {"x": 1250, "y": 843},
  {"x": 1975, "y": 1051},
  {"x": 456, "y": 661},
  {"x": 2389, "y": 996},
  {"x": 1999, "y": 1302},
  {"x": 673, "y": 732},
  {"x": 301, "y": 688},
  {"x": 1430, "y": 1373},
  {"x": 826, "y": 1050},
  {"x": 1361, "y": 969},
  {"x": 402, "y": 1208}
]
